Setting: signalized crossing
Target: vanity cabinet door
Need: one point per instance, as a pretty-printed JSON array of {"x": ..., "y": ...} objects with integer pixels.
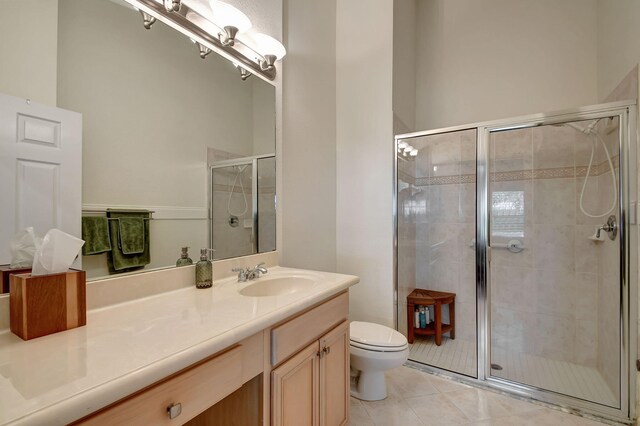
[
  {"x": 295, "y": 398},
  {"x": 334, "y": 376},
  {"x": 312, "y": 388}
]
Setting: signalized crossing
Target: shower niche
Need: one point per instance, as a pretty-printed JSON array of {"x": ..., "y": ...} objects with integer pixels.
[
  {"x": 527, "y": 220},
  {"x": 243, "y": 206}
]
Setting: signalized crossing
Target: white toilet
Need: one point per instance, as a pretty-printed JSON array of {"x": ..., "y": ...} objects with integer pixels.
[{"x": 374, "y": 350}]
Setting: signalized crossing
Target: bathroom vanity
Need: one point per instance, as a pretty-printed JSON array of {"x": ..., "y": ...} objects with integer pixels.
[{"x": 188, "y": 356}]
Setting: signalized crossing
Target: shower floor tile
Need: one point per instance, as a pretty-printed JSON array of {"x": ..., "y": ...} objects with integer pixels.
[
  {"x": 558, "y": 376},
  {"x": 454, "y": 355}
]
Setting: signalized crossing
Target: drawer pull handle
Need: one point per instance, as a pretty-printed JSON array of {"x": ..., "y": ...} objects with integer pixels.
[
  {"x": 326, "y": 349},
  {"x": 174, "y": 410}
]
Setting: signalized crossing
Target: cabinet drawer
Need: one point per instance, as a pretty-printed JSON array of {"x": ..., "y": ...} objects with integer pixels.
[
  {"x": 195, "y": 389},
  {"x": 295, "y": 334}
]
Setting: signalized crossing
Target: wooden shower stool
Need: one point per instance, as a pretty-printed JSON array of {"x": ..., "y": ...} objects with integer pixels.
[{"x": 436, "y": 328}]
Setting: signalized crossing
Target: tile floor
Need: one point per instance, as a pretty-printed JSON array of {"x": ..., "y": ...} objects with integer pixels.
[{"x": 418, "y": 398}]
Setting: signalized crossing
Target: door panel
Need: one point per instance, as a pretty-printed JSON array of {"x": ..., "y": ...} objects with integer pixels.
[
  {"x": 40, "y": 169},
  {"x": 554, "y": 285},
  {"x": 295, "y": 389},
  {"x": 334, "y": 377},
  {"x": 436, "y": 205}
]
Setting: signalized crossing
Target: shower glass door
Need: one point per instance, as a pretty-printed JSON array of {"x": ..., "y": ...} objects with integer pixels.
[
  {"x": 555, "y": 270},
  {"x": 436, "y": 218},
  {"x": 232, "y": 210}
]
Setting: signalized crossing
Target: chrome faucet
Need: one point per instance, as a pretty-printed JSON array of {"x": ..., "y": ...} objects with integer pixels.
[{"x": 246, "y": 274}]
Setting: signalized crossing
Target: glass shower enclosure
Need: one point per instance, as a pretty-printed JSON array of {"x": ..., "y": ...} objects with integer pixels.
[
  {"x": 243, "y": 206},
  {"x": 530, "y": 222}
]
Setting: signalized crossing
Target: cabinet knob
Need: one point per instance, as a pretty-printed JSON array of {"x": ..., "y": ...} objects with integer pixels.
[
  {"x": 326, "y": 349},
  {"x": 174, "y": 410}
]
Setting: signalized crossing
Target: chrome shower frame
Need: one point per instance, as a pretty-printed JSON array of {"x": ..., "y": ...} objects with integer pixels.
[{"x": 628, "y": 245}]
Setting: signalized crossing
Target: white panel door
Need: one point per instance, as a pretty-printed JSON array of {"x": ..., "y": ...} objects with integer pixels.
[{"x": 40, "y": 169}]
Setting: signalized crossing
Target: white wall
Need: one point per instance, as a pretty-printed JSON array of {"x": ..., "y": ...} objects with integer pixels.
[
  {"x": 483, "y": 60},
  {"x": 28, "y": 65},
  {"x": 364, "y": 238},
  {"x": 308, "y": 196}
]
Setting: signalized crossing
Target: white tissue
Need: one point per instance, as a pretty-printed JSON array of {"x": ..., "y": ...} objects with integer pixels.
[
  {"x": 23, "y": 247},
  {"x": 56, "y": 254}
]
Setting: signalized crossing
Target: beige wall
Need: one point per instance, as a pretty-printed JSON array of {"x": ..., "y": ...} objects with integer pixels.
[
  {"x": 404, "y": 65},
  {"x": 307, "y": 202},
  {"x": 618, "y": 42},
  {"x": 29, "y": 65},
  {"x": 484, "y": 60},
  {"x": 364, "y": 202}
]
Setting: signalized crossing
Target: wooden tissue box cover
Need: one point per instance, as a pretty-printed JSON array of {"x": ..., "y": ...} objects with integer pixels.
[{"x": 47, "y": 304}]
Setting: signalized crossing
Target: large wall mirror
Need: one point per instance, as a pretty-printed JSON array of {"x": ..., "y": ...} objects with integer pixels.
[{"x": 162, "y": 129}]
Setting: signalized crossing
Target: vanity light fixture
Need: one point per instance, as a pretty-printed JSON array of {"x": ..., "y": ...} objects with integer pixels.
[
  {"x": 147, "y": 20},
  {"x": 231, "y": 20},
  {"x": 244, "y": 74},
  {"x": 221, "y": 28}
]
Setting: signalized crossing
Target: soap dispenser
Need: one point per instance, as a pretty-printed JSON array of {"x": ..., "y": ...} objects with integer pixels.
[
  {"x": 204, "y": 270},
  {"x": 184, "y": 258}
]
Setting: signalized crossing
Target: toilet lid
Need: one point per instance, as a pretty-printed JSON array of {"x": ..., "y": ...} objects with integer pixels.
[{"x": 375, "y": 336}]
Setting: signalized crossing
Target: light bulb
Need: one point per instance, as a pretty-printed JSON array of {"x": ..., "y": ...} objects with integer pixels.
[
  {"x": 413, "y": 152},
  {"x": 267, "y": 45},
  {"x": 408, "y": 148},
  {"x": 402, "y": 145}
]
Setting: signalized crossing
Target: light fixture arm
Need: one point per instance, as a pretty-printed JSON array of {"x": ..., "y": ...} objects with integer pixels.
[
  {"x": 267, "y": 63},
  {"x": 147, "y": 20},
  {"x": 244, "y": 74},
  {"x": 204, "y": 50},
  {"x": 172, "y": 5},
  {"x": 228, "y": 38}
]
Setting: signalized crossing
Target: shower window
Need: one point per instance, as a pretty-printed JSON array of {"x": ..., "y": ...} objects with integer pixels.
[{"x": 507, "y": 209}]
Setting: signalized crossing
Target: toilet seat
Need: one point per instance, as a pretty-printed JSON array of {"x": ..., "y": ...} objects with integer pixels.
[{"x": 376, "y": 337}]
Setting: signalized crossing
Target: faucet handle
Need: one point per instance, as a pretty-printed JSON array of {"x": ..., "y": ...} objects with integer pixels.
[{"x": 242, "y": 274}]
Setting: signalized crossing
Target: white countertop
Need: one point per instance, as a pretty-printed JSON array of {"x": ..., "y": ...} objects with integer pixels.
[{"x": 62, "y": 377}]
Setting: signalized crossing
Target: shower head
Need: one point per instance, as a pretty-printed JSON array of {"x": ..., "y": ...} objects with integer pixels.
[{"x": 589, "y": 130}]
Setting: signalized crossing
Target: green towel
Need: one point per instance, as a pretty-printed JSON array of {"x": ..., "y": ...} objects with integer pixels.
[
  {"x": 131, "y": 231},
  {"x": 118, "y": 261},
  {"x": 95, "y": 233}
]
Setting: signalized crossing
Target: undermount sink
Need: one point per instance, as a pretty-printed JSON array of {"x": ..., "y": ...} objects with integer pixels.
[{"x": 277, "y": 286}]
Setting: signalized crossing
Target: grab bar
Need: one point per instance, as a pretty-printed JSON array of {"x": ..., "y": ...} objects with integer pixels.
[{"x": 514, "y": 246}]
